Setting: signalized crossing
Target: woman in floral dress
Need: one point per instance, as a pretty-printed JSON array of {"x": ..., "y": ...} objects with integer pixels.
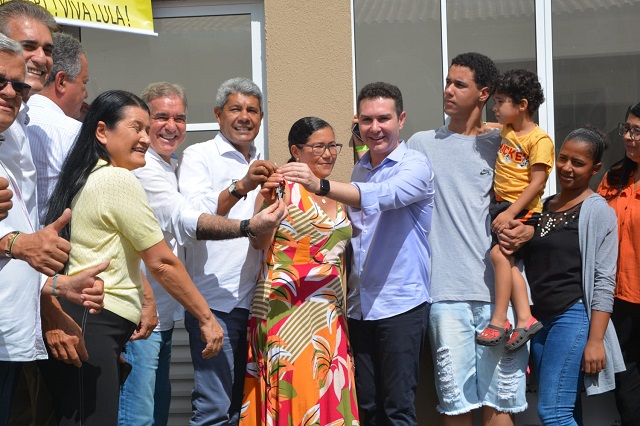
[{"x": 300, "y": 367}]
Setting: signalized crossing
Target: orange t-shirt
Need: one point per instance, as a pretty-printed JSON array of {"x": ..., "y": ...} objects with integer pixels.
[
  {"x": 516, "y": 155},
  {"x": 627, "y": 207}
]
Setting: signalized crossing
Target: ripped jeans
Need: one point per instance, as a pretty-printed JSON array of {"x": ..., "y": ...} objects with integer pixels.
[{"x": 468, "y": 375}]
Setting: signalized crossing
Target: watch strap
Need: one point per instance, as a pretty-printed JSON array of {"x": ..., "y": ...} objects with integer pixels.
[
  {"x": 232, "y": 190},
  {"x": 244, "y": 229},
  {"x": 325, "y": 187}
]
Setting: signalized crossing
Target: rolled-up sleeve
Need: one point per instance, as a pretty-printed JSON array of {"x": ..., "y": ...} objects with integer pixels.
[
  {"x": 174, "y": 213},
  {"x": 195, "y": 182}
]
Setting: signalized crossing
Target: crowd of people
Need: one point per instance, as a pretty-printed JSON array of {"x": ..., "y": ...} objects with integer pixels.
[{"x": 306, "y": 300}]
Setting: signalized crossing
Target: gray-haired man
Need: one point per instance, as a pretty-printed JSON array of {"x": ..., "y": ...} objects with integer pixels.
[
  {"x": 146, "y": 395},
  {"x": 220, "y": 176},
  {"x": 52, "y": 130}
]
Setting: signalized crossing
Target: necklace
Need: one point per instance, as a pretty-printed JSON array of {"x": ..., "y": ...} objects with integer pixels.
[{"x": 549, "y": 221}]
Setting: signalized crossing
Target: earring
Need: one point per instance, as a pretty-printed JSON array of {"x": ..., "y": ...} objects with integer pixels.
[{"x": 298, "y": 160}]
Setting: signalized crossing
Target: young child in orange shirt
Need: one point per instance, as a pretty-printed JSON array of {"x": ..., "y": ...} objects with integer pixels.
[{"x": 524, "y": 161}]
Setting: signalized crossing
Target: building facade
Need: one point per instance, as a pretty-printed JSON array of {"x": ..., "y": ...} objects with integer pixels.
[{"x": 311, "y": 57}]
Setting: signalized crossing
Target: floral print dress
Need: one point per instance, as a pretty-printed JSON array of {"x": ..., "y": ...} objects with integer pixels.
[{"x": 300, "y": 367}]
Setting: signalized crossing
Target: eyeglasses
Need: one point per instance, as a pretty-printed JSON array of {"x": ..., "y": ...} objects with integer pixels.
[
  {"x": 179, "y": 119},
  {"x": 634, "y": 132},
  {"x": 320, "y": 148},
  {"x": 21, "y": 89}
]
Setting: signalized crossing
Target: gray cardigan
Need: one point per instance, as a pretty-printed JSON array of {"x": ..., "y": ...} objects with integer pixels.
[{"x": 598, "y": 237}]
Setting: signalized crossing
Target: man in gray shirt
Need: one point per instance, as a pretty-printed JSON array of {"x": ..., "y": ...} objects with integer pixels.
[{"x": 463, "y": 154}]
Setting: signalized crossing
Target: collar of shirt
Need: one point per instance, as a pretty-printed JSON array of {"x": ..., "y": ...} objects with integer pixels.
[
  {"x": 395, "y": 156},
  {"x": 23, "y": 115},
  {"x": 224, "y": 147},
  {"x": 154, "y": 156},
  {"x": 44, "y": 102}
]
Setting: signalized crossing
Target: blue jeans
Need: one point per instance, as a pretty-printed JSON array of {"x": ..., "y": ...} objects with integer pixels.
[
  {"x": 387, "y": 360},
  {"x": 146, "y": 394},
  {"x": 557, "y": 356},
  {"x": 219, "y": 381}
]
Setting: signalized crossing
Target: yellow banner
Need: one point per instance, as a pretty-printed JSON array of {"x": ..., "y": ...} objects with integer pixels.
[{"x": 120, "y": 15}]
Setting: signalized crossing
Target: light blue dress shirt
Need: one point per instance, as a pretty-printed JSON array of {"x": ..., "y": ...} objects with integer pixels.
[{"x": 391, "y": 256}]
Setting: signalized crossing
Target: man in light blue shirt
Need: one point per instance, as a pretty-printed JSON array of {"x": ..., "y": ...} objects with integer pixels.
[{"x": 390, "y": 202}]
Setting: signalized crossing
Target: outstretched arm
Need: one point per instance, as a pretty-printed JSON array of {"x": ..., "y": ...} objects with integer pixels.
[
  {"x": 84, "y": 288},
  {"x": 172, "y": 276}
]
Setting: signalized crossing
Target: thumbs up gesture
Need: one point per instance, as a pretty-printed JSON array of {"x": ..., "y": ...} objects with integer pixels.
[
  {"x": 5, "y": 198},
  {"x": 44, "y": 250}
]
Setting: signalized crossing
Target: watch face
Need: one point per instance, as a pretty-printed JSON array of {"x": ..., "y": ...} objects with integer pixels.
[{"x": 324, "y": 187}]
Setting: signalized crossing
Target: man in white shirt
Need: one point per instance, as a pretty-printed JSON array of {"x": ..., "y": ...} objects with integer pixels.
[
  {"x": 146, "y": 395},
  {"x": 27, "y": 252},
  {"x": 219, "y": 177},
  {"x": 52, "y": 130}
]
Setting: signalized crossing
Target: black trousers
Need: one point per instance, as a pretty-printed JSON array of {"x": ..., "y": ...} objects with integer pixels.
[
  {"x": 387, "y": 360},
  {"x": 626, "y": 320},
  {"x": 9, "y": 373},
  {"x": 89, "y": 395}
]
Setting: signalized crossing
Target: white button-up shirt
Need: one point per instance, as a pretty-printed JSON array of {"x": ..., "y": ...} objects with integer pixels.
[
  {"x": 177, "y": 220},
  {"x": 51, "y": 135},
  {"x": 20, "y": 285},
  {"x": 225, "y": 272}
]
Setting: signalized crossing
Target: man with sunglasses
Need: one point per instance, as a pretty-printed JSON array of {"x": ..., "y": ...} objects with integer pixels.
[
  {"x": 10, "y": 106},
  {"x": 27, "y": 252}
]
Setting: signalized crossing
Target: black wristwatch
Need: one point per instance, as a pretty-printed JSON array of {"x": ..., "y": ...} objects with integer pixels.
[
  {"x": 325, "y": 187},
  {"x": 244, "y": 229},
  {"x": 232, "y": 190}
]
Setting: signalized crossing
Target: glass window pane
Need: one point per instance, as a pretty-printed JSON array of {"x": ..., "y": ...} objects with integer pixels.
[
  {"x": 399, "y": 42},
  {"x": 504, "y": 30},
  {"x": 596, "y": 63},
  {"x": 197, "y": 52}
]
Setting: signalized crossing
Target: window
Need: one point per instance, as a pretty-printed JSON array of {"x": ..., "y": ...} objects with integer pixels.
[{"x": 197, "y": 47}]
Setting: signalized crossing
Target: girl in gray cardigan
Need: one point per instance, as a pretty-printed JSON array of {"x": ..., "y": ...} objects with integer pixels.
[{"x": 571, "y": 265}]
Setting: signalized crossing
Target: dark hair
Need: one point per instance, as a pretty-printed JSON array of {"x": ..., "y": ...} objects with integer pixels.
[
  {"x": 382, "y": 90},
  {"x": 108, "y": 107},
  {"x": 302, "y": 130},
  {"x": 484, "y": 70},
  {"x": 521, "y": 84},
  {"x": 618, "y": 174},
  {"x": 594, "y": 137}
]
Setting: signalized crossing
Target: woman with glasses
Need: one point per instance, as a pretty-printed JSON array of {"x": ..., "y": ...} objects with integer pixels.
[
  {"x": 300, "y": 369},
  {"x": 620, "y": 187}
]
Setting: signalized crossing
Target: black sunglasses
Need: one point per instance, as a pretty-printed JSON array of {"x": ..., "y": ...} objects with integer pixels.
[{"x": 21, "y": 89}]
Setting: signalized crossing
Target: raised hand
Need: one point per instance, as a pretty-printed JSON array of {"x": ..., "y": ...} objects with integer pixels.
[
  {"x": 44, "y": 250},
  {"x": 5, "y": 198}
]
